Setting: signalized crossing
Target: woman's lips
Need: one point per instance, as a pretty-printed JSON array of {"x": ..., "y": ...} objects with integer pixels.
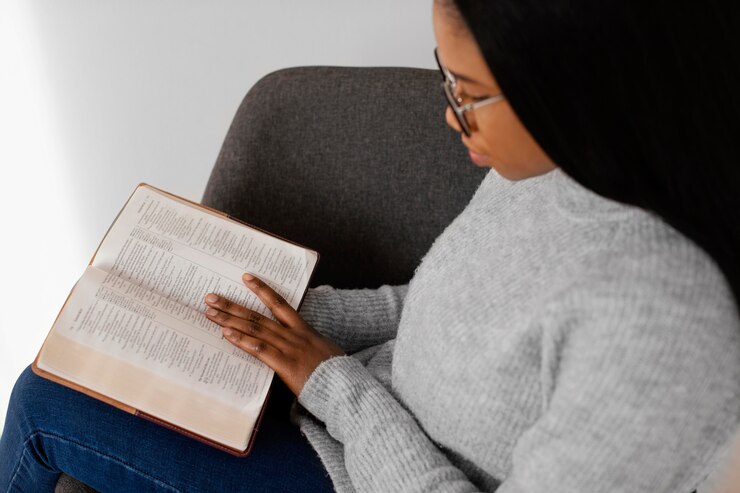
[{"x": 478, "y": 159}]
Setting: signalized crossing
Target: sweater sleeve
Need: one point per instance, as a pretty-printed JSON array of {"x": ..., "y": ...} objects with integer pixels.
[
  {"x": 641, "y": 397},
  {"x": 385, "y": 450},
  {"x": 355, "y": 318}
]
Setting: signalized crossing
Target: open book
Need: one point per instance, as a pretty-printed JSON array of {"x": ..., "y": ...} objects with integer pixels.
[{"x": 133, "y": 333}]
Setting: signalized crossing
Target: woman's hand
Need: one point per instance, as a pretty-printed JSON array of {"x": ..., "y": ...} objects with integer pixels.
[{"x": 289, "y": 346}]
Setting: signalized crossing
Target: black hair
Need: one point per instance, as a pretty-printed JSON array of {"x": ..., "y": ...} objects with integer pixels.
[{"x": 637, "y": 101}]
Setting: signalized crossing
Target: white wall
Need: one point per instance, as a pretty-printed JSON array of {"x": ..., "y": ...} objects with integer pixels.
[{"x": 99, "y": 95}]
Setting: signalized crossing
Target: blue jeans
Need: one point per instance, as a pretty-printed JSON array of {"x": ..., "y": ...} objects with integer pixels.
[{"x": 51, "y": 429}]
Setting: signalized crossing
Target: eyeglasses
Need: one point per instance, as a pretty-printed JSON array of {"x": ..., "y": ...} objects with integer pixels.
[{"x": 449, "y": 87}]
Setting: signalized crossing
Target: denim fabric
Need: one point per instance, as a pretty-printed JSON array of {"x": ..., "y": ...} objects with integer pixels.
[{"x": 51, "y": 429}]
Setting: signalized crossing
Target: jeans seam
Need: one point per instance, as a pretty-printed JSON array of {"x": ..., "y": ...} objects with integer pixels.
[
  {"x": 87, "y": 447},
  {"x": 17, "y": 467}
]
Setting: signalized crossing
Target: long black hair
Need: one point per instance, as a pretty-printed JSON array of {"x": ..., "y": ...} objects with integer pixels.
[{"x": 638, "y": 101}]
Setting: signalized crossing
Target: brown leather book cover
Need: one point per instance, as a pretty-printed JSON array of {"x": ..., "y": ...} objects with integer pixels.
[{"x": 129, "y": 409}]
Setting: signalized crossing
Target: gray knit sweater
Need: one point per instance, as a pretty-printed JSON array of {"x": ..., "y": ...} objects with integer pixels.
[{"x": 550, "y": 340}]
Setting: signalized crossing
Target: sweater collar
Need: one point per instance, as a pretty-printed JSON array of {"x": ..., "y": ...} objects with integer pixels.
[{"x": 575, "y": 200}]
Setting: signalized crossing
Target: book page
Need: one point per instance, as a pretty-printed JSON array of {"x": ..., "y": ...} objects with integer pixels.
[
  {"x": 184, "y": 358},
  {"x": 168, "y": 247},
  {"x": 106, "y": 313},
  {"x": 133, "y": 329}
]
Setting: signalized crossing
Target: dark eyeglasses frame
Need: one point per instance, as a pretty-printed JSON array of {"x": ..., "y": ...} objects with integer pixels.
[{"x": 449, "y": 86}]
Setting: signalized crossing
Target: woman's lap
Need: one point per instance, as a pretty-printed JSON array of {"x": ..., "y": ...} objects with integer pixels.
[{"x": 51, "y": 429}]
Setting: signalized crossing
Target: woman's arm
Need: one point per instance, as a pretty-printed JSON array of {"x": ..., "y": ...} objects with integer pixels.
[
  {"x": 355, "y": 318},
  {"x": 639, "y": 394},
  {"x": 643, "y": 395},
  {"x": 385, "y": 450},
  {"x": 377, "y": 432}
]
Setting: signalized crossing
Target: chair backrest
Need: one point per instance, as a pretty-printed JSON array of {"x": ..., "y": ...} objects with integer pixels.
[{"x": 356, "y": 163}]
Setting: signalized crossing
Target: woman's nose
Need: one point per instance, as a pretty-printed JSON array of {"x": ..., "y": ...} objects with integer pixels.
[{"x": 451, "y": 120}]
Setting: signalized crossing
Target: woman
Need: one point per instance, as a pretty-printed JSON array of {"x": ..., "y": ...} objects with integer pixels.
[{"x": 552, "y": 339}]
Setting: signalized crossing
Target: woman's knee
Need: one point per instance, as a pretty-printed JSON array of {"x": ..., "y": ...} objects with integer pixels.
[
  {"x": 32, "y": 398},
  {"x": 18, "y": 422},
  {"x": 24, "y": 388}
]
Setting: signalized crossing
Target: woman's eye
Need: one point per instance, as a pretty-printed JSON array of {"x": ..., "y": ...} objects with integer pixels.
[{"x": 473, "y": 98}]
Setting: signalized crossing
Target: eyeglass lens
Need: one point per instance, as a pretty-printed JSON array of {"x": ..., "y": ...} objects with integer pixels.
[{"x": 448, "y": 86}]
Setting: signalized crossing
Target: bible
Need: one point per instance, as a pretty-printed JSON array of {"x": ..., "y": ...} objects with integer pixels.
[{"x": 133, "y": 333}]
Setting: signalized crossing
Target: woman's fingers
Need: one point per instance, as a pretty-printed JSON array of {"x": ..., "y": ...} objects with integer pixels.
[
  {"x": 255, "y": 325},
  {"x": 273, "y": 301},
  {"x": 289, "y": 345},
  {"x": 228, "y": 306},
  {"x": 257, "y": 347}
]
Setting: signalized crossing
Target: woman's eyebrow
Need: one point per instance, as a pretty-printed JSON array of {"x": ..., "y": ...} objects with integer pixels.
[{"x": 465, "y": 78}]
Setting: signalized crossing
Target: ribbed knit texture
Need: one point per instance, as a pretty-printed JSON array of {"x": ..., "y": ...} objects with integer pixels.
[{"x": 551, "y": 340}]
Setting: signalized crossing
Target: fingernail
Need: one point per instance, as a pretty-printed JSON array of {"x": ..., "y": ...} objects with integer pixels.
[
  {"x": 228, "y": 332},
  {"x": 212, "y": 312},
  {"x": 247, "y": 276},
  {"x": 211, "y": 298}
]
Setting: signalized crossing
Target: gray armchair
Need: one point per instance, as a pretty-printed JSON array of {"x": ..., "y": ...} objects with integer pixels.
[{"x": 357, "y": 163}]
